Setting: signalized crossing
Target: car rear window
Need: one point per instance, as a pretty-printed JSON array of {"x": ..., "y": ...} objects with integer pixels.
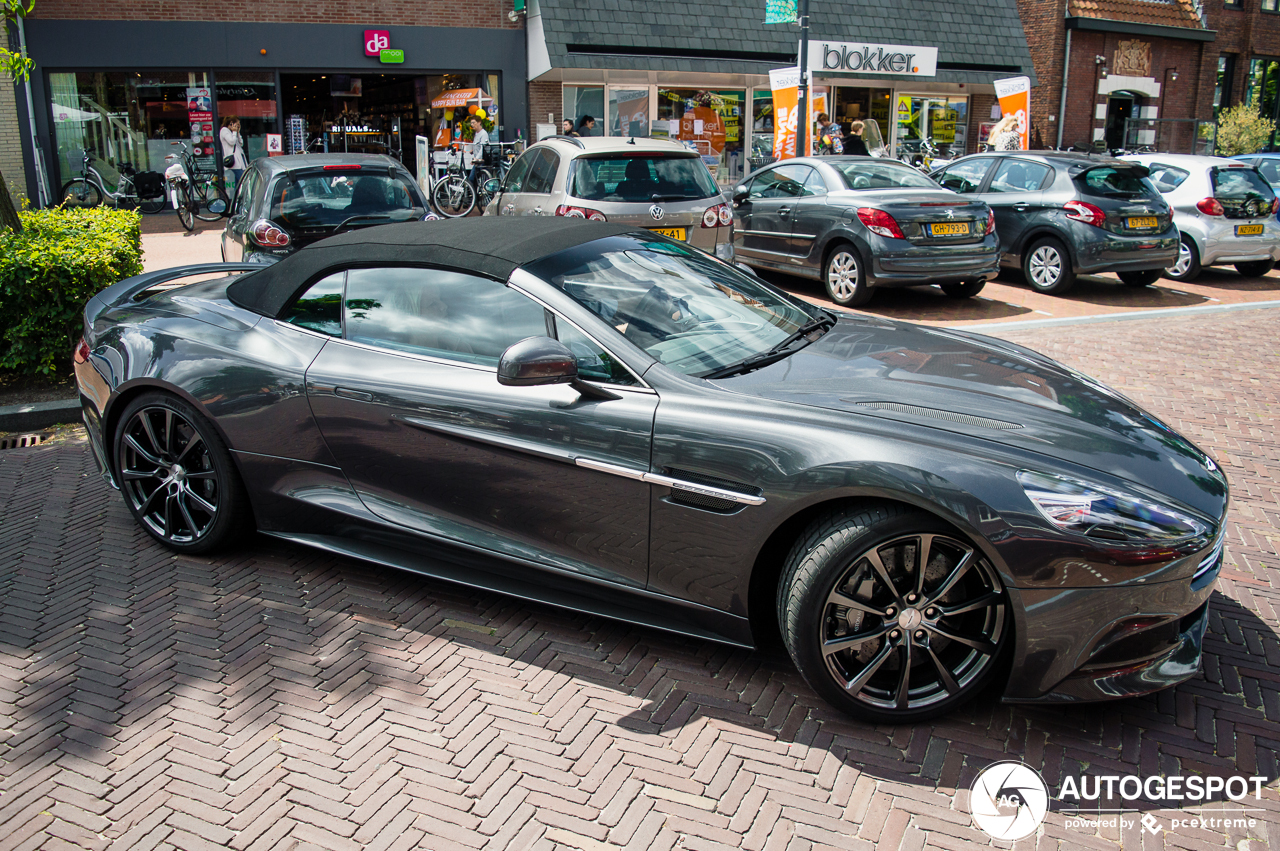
[
  {"x": 1167, "y": 178},
  {"x": 334, "y": 197},
  {"x": 1234, "y": 183},
  {"x": 640, "y": 178},
  {"x": 858, "y": 174},
  {"x": 1115, "y": 182}
]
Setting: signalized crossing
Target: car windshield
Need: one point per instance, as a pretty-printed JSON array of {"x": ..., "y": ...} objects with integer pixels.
[
  {"x": 864, "y": 174},
  {"x": 694, "y": 313},
  {"x": 1115, "y": 182},
  {"x": 343, "y": 196},
  {"x": 646, "y": 177}
]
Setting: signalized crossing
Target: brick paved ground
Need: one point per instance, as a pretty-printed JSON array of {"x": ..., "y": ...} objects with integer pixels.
[{"x": 276, "y": 697}]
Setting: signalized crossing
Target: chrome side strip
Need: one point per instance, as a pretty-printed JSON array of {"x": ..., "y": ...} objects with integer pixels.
[{"x": 667, "y": 481}]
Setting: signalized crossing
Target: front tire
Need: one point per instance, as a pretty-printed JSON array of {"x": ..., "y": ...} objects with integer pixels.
[
  {"x": 967, "y": 289},
  {"x": 1144, "y": 278},
  {"x": 187, "y": 206},
  {"x": 80, "y": 193},
  {"x": 845, "y": 277},
  {"x": 177, "y": 476},
  {"x": 1047, "y": 267},
  {"x": 453, "y": 198},
  {"x": 890, "y": 615},
  {"x": 1187, "y": 266},
  {"x": 1255, "y": 268}
]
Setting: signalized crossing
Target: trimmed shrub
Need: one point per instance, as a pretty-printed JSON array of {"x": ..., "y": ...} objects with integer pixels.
[
  {"x": 1243, "y": 130},
  {"x": 60, "y": 260}
]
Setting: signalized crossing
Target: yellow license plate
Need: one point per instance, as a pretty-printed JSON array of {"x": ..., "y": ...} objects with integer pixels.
[
  {"x": 949, "y": 228},
  {"x": 1248, "y": 230},
  {"x": 674, "y": 233},
  {"x": 1143, "y": 222}
]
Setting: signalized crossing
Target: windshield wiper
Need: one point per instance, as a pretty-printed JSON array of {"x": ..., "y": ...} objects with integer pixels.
[
  {"x": 656, "y": 197},
  {"x": 781, "y": 350},
  {"x": 365, "y": 218}
]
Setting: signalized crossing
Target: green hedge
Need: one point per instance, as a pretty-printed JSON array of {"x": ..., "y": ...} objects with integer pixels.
[{"x": 61, "y": 259}]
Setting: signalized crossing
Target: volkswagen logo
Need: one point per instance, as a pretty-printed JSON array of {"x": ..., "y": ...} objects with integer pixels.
[
  {"x": 1008, "y": 800},
  {"x": 657, "y": 212}
]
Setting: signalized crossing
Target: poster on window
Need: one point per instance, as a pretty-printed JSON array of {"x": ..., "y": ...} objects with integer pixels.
[
  {"x": 200, "y": 118},
  {"x": 1014, "y": 94}
]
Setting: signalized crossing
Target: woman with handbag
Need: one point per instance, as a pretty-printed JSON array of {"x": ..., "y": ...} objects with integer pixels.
[{"x": 233, "y": 158}]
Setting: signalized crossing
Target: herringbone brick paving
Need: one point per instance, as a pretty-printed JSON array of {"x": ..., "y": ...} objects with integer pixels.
[{"x": 277, "y": 697}]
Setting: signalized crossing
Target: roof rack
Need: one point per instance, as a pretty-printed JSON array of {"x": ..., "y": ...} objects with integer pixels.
[{"x": 572, "y": 139}]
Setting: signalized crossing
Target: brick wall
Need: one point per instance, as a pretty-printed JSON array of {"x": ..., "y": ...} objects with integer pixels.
[
  {"x": 544, "y": 98},
  {"x": 979, "y": 113},
  {"x": 10, "y": 144},
  {"x": 419, "y": 13},
  {"x": 1046, "y": 36}
]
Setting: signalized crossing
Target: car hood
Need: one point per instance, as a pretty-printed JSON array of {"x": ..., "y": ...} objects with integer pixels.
[{"x": 993, "y": 390}]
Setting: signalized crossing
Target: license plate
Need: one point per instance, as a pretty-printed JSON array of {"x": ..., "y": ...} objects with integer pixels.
[
  {"x": 1143, "y": 222},
  {"x": 1248, "y": 230},
  {"x": 949, "y": 228},
  {"x": 674, "y": 233}
]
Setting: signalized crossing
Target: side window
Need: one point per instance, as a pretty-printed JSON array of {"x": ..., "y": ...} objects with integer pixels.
[
  {"x": 1270, "y": 169},
  {"x": 785, "y": 181},
  {"x": 1016, "y": 175},
  {"x": 542, "y": 173},
  {"x": 244, "y": 192},
  {"x": 320, "y": 307},
  {"x": 965, "y": 177},
  {"x": 814, "y": 184},
  {"x": 594, "y": 363},
  {"x": 519, "y": 171},
  {"x": 439, "y": 313}
]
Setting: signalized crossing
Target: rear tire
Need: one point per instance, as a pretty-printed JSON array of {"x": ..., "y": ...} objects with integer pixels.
[
  {"x": 890, "y": 615},
  {"x": 187, "y": 206},
  {"x": 1144, "y": 278},
  {"x": 1187, "y": 266},
  {"x": 453, "y": 198},
  {"x": 845, "y": 276},
  {"x": 176, "y": 475},
  {"x": 1255, "y": 268},
  {"x": 1047, "y": 267},
  {"x": 152, "y": 205},
  {"x": 966, "y": 289},
  {"x": 80, "y": 193}
]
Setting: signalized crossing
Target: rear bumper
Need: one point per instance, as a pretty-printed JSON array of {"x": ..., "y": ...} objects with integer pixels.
[
  {"x": 898, "y": 263},
  {"x": 1102, "y": 251},
  {"x": 1216, "y": 239}
]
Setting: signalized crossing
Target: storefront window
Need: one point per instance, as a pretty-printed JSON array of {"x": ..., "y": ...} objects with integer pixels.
[
  {"x": 870, "y": 106},
  {"x": 129, "y": 117},
  {"x": 709, "y": 122},
  {"x": 761, "y": 128},
  {"x": 629, "y": 112},
  {"x": 1264, "y": 78},
  {"x": 941, "y": 120},
  {"x": 1226, "y": 77},
  {"x": 581, "y": 101},
  {"x": 249, "y": 96}
]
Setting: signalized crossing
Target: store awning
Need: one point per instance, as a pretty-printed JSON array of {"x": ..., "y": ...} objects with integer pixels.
[{"x": 460, "y": 97}]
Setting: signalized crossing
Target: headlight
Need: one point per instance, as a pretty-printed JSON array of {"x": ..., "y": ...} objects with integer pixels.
[{"x": 1102, "y": 512}]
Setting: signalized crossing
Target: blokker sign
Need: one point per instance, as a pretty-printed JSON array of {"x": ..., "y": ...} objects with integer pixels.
[{"x": 855, "y": 57}]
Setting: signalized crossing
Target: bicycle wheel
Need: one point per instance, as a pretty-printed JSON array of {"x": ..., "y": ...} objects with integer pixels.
[
  {"x": 81, "y": 193},
  {"x": 453, "y": 197},
  {"x": 208, "y": 194},
  {"x": 187, "y": 207},
  {"x": 483, "y": 176},
  {"x": 153, "y": 205}
]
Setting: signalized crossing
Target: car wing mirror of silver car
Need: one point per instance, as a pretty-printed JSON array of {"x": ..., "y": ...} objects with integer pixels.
[{"x": 537, "y": 361}]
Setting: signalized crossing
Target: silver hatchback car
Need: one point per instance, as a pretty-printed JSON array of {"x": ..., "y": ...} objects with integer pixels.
[
  {"x": 1224, "y": 209},
  {"x": 650, "y": 183}
]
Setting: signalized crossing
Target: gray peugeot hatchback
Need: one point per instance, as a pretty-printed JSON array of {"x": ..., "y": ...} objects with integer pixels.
[{"x": 1064, "y": 214}]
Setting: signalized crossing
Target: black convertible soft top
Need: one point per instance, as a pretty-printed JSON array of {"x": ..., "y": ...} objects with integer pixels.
[{"x": 493, "y": 247}]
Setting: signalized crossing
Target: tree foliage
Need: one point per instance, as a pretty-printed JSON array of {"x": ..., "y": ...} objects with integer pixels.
[{"x": 1243, "y": 130}]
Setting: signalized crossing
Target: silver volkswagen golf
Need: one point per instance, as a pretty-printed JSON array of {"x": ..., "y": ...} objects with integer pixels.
[{"x": 650, "y": 183}]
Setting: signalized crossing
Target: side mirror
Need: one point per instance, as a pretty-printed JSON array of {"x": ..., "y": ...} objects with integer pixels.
[
  {"x": 740, "y": 194},
  {"x": 536, "y": 361},
  {"x": 491, "y": 187},
  {"x": 218, "y": 207}
]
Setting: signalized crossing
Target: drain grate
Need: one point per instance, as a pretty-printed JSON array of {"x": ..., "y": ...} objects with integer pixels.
[{"x": 17, "y": 441}]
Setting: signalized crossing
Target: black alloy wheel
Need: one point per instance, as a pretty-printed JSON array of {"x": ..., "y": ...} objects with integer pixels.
[
  {"x": 1255, "y": 268},
  {"x": 1143, "y": 278},
  {"x": 965, "y": 289},
  {"x": 176, "y": 475},
  {"x": 891, "y": 616}
]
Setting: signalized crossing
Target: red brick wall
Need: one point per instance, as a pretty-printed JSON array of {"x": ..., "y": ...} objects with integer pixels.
[
  {"x": 1046, "y": 35},
  {"x": 420, "y": 13},
  {"x": 544, "y": 98},
  {"x": 979, "y": 113}
]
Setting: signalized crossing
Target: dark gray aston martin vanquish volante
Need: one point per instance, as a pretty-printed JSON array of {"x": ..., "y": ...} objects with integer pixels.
[{"x": 599, "y": 417}]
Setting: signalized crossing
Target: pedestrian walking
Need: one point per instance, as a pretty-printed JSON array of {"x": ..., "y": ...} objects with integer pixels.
[
  {"x": 1004, "y": 136},
  {"x": 854, "y": 144},
  {"x": 479, "y": 138}
]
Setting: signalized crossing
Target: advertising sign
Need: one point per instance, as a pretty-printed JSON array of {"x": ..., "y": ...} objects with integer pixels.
[
  {"x": 862, "y": 58},
  {"x": 1015, "y": 98},
  {"x": 200, "y": 117},
  {"x": 632, "y": 110},
  {"x": 275, "y": 144},
  {"x": 376, "y": 41},
  {"x": 785, "y": 84}
]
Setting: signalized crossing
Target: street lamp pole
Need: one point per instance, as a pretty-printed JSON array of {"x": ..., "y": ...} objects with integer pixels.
[{"x": 802, "y": 93}]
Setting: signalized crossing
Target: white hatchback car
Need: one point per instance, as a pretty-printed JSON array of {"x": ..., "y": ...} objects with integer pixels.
[{"x": 1224, "y": 209}]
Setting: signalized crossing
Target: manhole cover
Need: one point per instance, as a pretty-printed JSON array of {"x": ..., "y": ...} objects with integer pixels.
[{"x": 16, "y": 441}]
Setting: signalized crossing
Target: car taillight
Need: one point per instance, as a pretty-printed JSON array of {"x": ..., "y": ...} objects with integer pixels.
[
  {"x": 1083, "y": 211},
  {"x": 1209, "y": 206},
  {"x": 878, "y": 221},
  {"x": 580, "y": 213},
  {"x": 1275, "y": 206},
  {"x": 991, "y": 222},
  {"x": 81, "y": 354},
  {"x": 721, "y": 215},
  {"x": 269, "y": 235}
]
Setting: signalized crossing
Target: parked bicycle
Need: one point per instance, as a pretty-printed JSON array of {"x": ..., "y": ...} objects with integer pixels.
[
  {"x": 498, "y": 158},
  {"x": 190, "y": 191},
  {"x": 453, "y": 195},
  {"x": 144, "y": 190}
]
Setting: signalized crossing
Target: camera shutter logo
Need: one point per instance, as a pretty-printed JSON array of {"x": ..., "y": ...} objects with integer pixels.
[
  {"x": 657, "y": 212},
  {"x": 1008, "y": 800}
]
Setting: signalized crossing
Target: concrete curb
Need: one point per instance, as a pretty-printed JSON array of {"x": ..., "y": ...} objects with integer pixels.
[
  {"x": 37, "y": 415},
  {"x": 1127, "y": 316}
]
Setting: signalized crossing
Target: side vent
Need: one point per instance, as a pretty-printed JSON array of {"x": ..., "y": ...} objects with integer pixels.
[
  {"x": 934, "y": 413},
  {"x": 703, "y": 501}
]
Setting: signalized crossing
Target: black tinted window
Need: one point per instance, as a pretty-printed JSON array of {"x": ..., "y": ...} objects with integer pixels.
[
  {"x": 320, "y": 307},
  {"x": 1238, "y": 184},
  {"x": 244, "y": 192},
  {"x": 639, "y": 178},
  {"x": 542, "y": 172},
  {"x": 1114, "y": 182},
  {"x": 333, "y": 197},
  {"x": 1018, "y": 176},
  {"x": 443, "y": 314}
]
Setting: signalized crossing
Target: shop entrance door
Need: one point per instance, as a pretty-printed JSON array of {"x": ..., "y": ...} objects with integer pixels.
[{"x": 1120, "y": 107}]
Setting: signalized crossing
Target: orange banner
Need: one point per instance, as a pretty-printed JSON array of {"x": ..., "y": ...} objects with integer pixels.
[
  {"x": 785, "y": 83},
  {"x": 1015, "y": 99}
]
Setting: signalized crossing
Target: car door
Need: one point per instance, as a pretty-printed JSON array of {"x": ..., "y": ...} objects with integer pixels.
[
  {"x": 408, "y": 401},
  {"x": 766, "y": 213},
  {"x": 1015, "y": 196},
  {"x": 240, "y": 222},
  {"x": 510, "y": 198},
  {"x": 812, "y": 217},
  {"x": 536, "y": 197}
]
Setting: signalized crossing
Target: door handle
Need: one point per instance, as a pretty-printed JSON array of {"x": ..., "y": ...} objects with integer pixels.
[
  {"x": 358, "y": 395},
  {"x": 1021, "y": 207},
  {"x": 784, "y": 211}
]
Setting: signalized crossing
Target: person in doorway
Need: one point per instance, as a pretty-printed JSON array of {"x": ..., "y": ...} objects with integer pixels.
[
  {"x": 586, "y": 126},
  {"x": 1004, "y": 136},
  {"x": 828, "y": 137},
  {"x": 232, "y": 149},
  {"x": 479, "y": 138},
  {"x": 566, "y": 127},
  {"x": 854, "y": 144}
]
